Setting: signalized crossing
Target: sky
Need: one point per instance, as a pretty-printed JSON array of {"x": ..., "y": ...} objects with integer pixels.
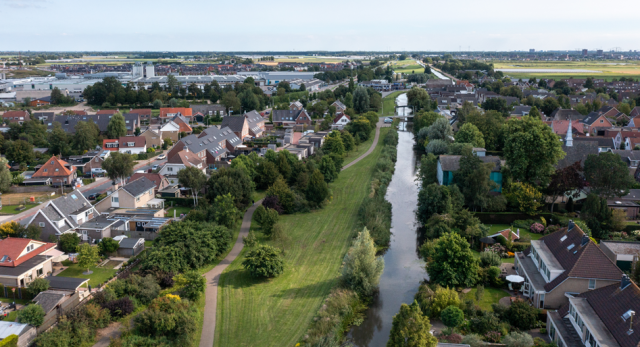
[{"x": 332, "y": 25}]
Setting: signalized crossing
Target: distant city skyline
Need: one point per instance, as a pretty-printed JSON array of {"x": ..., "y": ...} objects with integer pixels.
[{"x": 405, "y": 25}]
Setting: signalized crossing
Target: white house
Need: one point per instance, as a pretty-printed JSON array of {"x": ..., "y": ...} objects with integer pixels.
[
  {"x": 181, "y": 160},
  {"x": 340, "y": 121},
  {"x": 132, "y": 144}
]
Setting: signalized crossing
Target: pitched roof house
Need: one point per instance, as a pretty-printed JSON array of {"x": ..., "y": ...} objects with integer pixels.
[
  {"x": 565, "y": 115},
  {"x": 340, "y": 121},
  {"x": 57, "y": 170},
  {"x": 167, "y": 113},
  {"x": 63, "y": 215},
  {"x": 566, "y": 261},
  {"x": 126, "y": 144},
  {"x": 603, "y": 317},
  {"x": 211, "y": 145},
  {"x": 289, "y": 118},
  {"x": 181, "y": 160},
  {"x": 448, "y": 164},
  {"x": 68, "y": 123},
  {"x": 24, "y": 260},
  {"x": 134, "y": 195},
  {"x": 595, "y": 120},
  {"x": 111, "y": 112},
  {"x": 249, "y": 125},
  {"x": 159, "y": 180},
  {"x": 15, "y": 117}
]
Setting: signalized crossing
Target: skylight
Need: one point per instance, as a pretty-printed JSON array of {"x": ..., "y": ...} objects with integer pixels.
[
  {"x": 563, "y": 238},
  {"x": 571, "y": 246},
  {"x": 74, "y": 197}
]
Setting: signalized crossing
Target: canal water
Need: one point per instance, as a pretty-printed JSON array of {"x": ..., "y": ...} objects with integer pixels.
[{"x": 403, "y": 270}]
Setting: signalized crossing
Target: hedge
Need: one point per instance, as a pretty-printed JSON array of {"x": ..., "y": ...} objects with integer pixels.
[
  {"x": 10, "y": 341},
  {"x": 509, "y": 217},
  {"x": 186, "y": 202},
  {"x": 631, "y": 227}
]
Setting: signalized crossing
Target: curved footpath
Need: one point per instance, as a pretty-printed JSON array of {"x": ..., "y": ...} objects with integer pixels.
[{"x": 213, "y": 276}]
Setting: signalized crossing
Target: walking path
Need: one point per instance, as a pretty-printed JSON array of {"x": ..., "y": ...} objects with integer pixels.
[{"x": 213, "y": 276}]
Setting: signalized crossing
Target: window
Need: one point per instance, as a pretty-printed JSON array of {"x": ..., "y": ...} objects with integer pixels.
[
  {"x": 45, "y": 170},
  {"x": 138, "y": 199},
  {"x": 601, "y": 121},
  {"x": 592, "y": 283},
  {"x": 169, "y": 169},
  {"x": 41, "y": 224},
  {"x": 39, "y": 272},
  {"x": 114, "y": 199},
  {"x": 57, "y": 170}
]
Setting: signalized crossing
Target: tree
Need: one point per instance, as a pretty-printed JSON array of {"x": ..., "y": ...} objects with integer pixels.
[
  {"x": 375, "y": 101},
  {"x": 333, "y": 144},
  {"x": 490, "y": 125},
  {"x": 108, "y": 245},
  {"x": 233, "y": 181},
  {"x": 453, "y": 262},
  {"x": 473, "y": 179},
  {"x": 69, "y": 242},
  {"x": 440, "y": 130},
  {"x": 231, "y": 102},
  {"x": 5, "y": 176},
  {"x": 264, "y": 261},
  {"x": 469, "y": 133},
  {"x": 525, "y": 197},
  {"x": 598, "y": 215},
  {"x": 531, "y": 150},
  {"x": 607, "y": 174},
  {"x": 168, "y": 318},
  {"x": 87, "y": 256},
  {"x": 86, "y": 136},
  {"x": 452, "y": 316},
  {"x": 317, "y": 189},
  {"x": 193, "y": 178},
  {"x": 497, "y": 104},
  {"x": 428, "y": 170},
  {"x": 437, "y": 147},
  {"x": 568, "y": 179},
  {"x": 193, "y": 284},
  {"x": 418, "y": 99},
  {"x": 328, "y": 169},
  {"x": 137, "y": 132},
  {"x": 521, "y": 315},
  {"x": 433, "y": 199},
  {"x": 286, "y": 197},
  {"x": 32, "y": 314},
  {"x": 118, "y": 166},
  {"x": 19, "y": 151},
  {"x": 411, "y": 329},
  {"x": 549, "y": 105},
  {"x": 58, "y": 140},
  {"x": 360, "y": 100},
  {"x": 38, "y": 285},
  {"x": 361, "y": 268},
  {"x": 225, "y": 211}
]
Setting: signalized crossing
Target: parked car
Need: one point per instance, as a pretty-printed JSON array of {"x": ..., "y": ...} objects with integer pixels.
[
  {"x": 91, "y": 197},
  {"x": 155, "y": 167},
  {"x": 388, "y": 120},
  {"x": 162, "y": 157}
]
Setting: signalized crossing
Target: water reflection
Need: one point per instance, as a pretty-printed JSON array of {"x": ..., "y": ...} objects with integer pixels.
[{"x": 403, "y": 269}]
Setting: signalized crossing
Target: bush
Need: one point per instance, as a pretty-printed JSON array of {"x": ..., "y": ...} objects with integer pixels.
[
  {"x": 32, "y": 314},
  {"x": 493, "y": 336},
  {"x": 108, "y": 246},
  {"x": 452, "y": 317},
  {"x": 451, "y": 338},
  {"x": 264, "y": 261},
  {"x": 362, "y": 269},
  {"x": 69, "y": 242},
  {"x": 38, "y": 285},
  {"x": 473, "y": 340},
  {"x": 536, "y": 228},
  {"x": 341, "y": 309},
  {"x": 488, "y": 258},
  {"x": 97, "y": 316},
  {"x": 143, "y": 289},
  {"x": 120, "y": 307},
  {"x": 192, "y": 283},
  {"x": 484, "y": 322},
  {"x": 142, "y": 156},
  {"x": 521, "y": 315},
  {"x": 442, "y": 298},
  {"x": 516, "y": 339},
  {"x": 10, "y": 341},
  {"x": 168, "y": 317}
]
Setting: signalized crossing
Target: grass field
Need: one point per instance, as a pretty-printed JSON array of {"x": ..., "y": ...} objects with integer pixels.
[
  {"x": 277, "y": 312},
  {"x": 491, "y": 296},
  {"x": 11, "y": 209},
  {"x": 389, "y": 103},
  {"x": 608, "y": 69},
  {"x": 27, "y": 73},
  {"x": 363, "y": 147},
  {"x": 99, "y": 275}
]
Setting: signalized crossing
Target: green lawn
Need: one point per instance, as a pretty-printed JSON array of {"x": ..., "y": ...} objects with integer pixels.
[
  {"x": 277, "y": 312},
  {"x": 99, "y": 275},
  {"x": 258, "y": 195},
  {"x": 389, "y": 103},
  {"x": 179, "y": 210},
  {"x": 523, "y": 232},
  {"x": 11, "y": 209},
  {"x": 360, "y": 150},
  {"x": 491, "y": 296}
]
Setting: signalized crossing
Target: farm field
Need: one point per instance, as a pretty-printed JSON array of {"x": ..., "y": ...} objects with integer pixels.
[
  {"x": 277, "y": 312},
  {"x": 601, "y": 69},
  {"x": 27, "y": 73}
]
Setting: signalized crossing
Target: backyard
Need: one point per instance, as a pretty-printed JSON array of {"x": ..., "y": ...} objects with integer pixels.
[
  {"x": 99, "y": 275},
  {"x": 490, "y": 296},
  {"x": 179, "y": 210},
  {"x": 277, "y": 312}
]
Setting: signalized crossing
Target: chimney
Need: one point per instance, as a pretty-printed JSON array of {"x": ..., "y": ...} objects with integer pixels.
[
  {"x": 585, "y": 240},
  {"x": 186, "y": 149},
  {"x": 571, "y": 225},
  {"x": 518, "y": 233},
  {"x": 624, "y": 282}
]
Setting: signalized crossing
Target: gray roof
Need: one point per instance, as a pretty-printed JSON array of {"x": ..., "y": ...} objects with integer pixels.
[
  {"x": 622, "y": 247},
  {"x": 566, "y": 114},
  {"x": 72, "y": 203},
  {"x": 340, "y": 104},
  {"x": 101, "y": 120},
  {"x": 204, "y": 109},
  {"x": 24, "y": 267},
  {"x": 130, "y": 242},
  {"x": 70, "y": 283},
  {"x": 49, "y": 299},
  {"x": 627, "y": 155},
  {"x": 634, "y": 195},
  {"x": 235, "y": 123},
  {"x": 591, "y": 118},
  {"x": 601, "y": 141},
  {"x": 452, "y": 162},
  {"x": 578, "y": 152},
  {"x": 98, "y": 223},
  {"x": 286, "y": 115},
  {"x": 210, "y": 140},
  {"x": 139, "y": 186}
]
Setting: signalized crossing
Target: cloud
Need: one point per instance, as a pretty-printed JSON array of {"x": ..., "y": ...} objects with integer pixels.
[{"x": 20, "y": 4}]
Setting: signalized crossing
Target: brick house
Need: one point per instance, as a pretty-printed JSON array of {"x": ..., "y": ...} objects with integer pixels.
[
  {"x": 166, "y": 113},
  {"x": 15, "y": 117},
  {"x": 59, "y": 171},
  {"x": 289, "y": 118}
]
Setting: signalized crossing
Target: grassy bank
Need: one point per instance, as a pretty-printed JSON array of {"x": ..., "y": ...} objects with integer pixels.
[
  {"x": 360, "y": 150},
  {"x": 277, "y": 312},
  {"x": 389, "y": 103}
]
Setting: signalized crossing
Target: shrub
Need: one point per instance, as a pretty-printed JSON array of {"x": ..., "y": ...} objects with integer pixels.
[
  {"x": 192, "y": 283},
  {"x": 362, "y": 269},
  {"x": 488, "y": 258},
  {"x": 341, "y": 308},
  {"x": 264, "y": 261},
  {"x": 97, "y": 316},
  {"x": 32, "y": 314},
  {"x": 10, "y": 341},
  {"x": 452, "y": 338},
  {"x": 473, "y": 340},
  {"x": 516, "y": 339},
  {"x": 120, "y": 307},
  {"x": 167, "y": 317},
  {"x": 69, "y": 242},
  {"x": 484, "y": 322},
  {"x": 492, "y": 336},
  {"x": 521, "y": 315},
  {"x": 443, "y": 298},
  {"x": 536, "y": 228},
  {"x": 479, "y": 292},
  {"x": 38, "y": 285},
  {"x": 108, "y": 245},
  {"x": 452, "y": 317}
]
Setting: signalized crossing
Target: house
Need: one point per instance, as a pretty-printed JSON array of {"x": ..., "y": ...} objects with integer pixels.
[
  {"x": 183, "y": 124},
  {"x": 167, "y": 113},
  {"x": 24, "y": 260},
  {"x": 181, "y": 160},
  {"x": 577, "y": 150},
  {"x": 169, "y": 130},
  {"x": 108, "y": 112},
  {"x": 63, "y": 215},
  {"x": 160, "y": 181},
  {"x": 448, "y": 164},
  {"x": 256, "y": 123},
  {"x": 340, "y": 107},
  {"x": 143, "y": 113},
  {"x": 130, "y": 247},
  {"x": 208, "y": 110},
  {"x": 153, "y": 138},
  {"x": 296, "y": 106},
  {"x": 138, "y": 194},
  {"x": 43, "y": 101},
  {"x": 15, "y": 117},
  {"x": 68, "y": 123},
  {"x": 126, "y": 144},
  {"x": 630, "y": 208},
  {"x": 624, "y": 253},
  {"x": 632, "y": 158},
  {"x": 507, "y": 234},
  {"x": 250, "y": 125},
  {"x": 88, "y": 161},
  {"x": 561, "y": 263},
  {"x": 96, "y": 229},
  {"x": 595, "y": 120},
  {"x": 565, "y": 115},
  {"x": 44, "y": 117},
  {"x": 603, "y": 317},
  {"x": 340, "y": 121},
  {"x": 560, "y": 127},
  {"x": 58, "y": 171},
  {"x": 521, "y": 111},
  {"x": 289, "y": 118},
  {"x": 211, "y": 145}
]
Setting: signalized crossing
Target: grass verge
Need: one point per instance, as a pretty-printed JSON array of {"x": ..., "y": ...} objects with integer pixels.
[
  {"x": 360, "y": 150},
  {"x": 11, "y": 209},
  {"x": 278, "y": 311}
]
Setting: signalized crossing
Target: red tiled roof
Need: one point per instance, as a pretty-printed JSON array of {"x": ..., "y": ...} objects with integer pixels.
[
  {"x": 12, "y": 247},
  {"x": 142, "y": 111},
  {"x": 186, "y": 158},
  {"x": 104, "y": 144},
  {"x": 54, "y": 167},
  {"x": 340, "y": 115},
  {"x": 107, "y": 112},
  {"x": 13, "y": 114},
  {"x": 560, "y": 127},
  {"x": 187, "y": 112},
  {"x": 184, "y": 127}
]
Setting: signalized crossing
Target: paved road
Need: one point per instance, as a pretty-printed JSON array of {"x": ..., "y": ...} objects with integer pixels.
[{"x": 213, "y": 276}]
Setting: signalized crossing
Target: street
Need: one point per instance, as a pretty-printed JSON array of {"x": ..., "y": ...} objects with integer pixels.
[{"x": 144, "y": 166}]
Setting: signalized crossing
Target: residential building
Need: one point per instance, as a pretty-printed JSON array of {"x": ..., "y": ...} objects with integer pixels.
[
  {"x": 181, "y": 160},
  {"x": 89, "y": 161},
  {"x": 289, "y": 118},
  {"x": 296, "y": 106},
  {"x": 250, "y": 125},
  {"x": 63, "y": 215},
  {"x": 57, "y": 171},
  {"x": 603, "y": 317},
  {"x": 595, "y": 120},
  {"x": 107, "y": 112},
  {"x": 563, "y": 263},
  {"x": 211, "y": 145},
  {"x": 24, "y": 260},
  {"x": 624, "y": 253},
  {"x": 208, "y": 110},
  {"x": 153, "y": 138},
  {"x": 170, "y": 130},
  {"x": 43, "y": 101},
  {"x": 138, "y": 194},
  {"x": 68, "y": 123},
  {"x": 100, "y": 227},
  {"x": 158, "y": 180},
  {"x": 340, "y": 121},
  {"x": 15, "y": 117},
  {"x": 167, "y": 113},
  {"x": 448, "y": 164},
  {"x": 143, "y": 113},
  {"x": 565, "y": 115},
  {"x": 340, "y": 107},
  {"x": 126, "y": 144},
  {"x": 630, "y": 208}
]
